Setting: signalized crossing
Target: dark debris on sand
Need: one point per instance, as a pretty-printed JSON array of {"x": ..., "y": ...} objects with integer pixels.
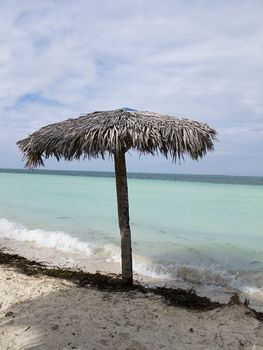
[{"x": 113, "y": 283}]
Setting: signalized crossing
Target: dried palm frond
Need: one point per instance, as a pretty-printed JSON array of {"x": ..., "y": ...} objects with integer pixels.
[{"x": 110, "y": 132}]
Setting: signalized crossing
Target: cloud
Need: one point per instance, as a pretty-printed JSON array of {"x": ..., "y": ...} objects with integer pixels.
[{"x": 201, "y": 59}]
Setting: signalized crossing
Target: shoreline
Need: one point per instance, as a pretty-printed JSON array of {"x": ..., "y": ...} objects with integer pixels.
[
  {"x": 81, "y": 261},
  {"x": 42, "y": 312}
]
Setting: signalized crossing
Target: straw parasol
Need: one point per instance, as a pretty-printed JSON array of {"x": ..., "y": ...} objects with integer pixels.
[{"x": 113, "y": 133}]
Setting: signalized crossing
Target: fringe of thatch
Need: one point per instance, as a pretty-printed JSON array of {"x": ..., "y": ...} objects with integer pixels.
[{"x": 109, "y": 132}]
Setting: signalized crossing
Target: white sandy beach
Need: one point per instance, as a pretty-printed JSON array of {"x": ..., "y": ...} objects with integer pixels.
[{"x": 44, "y": 313}]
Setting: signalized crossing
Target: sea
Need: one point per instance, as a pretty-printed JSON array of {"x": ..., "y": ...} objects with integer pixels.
[{"x": 199, "y": 231}]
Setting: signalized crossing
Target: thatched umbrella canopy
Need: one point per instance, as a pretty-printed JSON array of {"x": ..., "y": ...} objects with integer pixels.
[{"x": 113, "y": 133}]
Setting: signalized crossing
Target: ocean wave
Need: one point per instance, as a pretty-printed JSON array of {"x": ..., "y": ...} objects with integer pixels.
[
  {"x": 49, "y": 239},
  {"x": 192, "y": 275}
]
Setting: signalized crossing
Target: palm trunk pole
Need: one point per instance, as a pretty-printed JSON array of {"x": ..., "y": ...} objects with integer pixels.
[{"x": 123, "y": 214}]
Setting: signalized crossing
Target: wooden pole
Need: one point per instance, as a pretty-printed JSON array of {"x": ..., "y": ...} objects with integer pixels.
[{"x": 123, "y": 215}]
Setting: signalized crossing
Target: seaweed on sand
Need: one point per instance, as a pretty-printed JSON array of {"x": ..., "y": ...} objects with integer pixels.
[{"x": 113, "y": 283}]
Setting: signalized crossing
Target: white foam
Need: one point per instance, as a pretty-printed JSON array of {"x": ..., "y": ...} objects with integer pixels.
[
  {"x": 201, "y": 275},
  {"x": 252, "y": 291},
  {"x": 41, "y": 238},
  {"x": 213, "y": 275},
  {"x": 141, "y": 265},
  {"x": 147, "y": 268}
]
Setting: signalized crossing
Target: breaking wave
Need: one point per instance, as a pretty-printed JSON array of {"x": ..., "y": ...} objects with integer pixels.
[{"x": 41, "y": 238}]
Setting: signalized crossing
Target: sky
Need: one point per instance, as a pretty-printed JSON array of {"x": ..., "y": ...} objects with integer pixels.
[{"x": 199, "y": 59}]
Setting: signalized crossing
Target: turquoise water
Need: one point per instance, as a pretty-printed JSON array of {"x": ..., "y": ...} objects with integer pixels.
[{"x": 200, "y": 223}]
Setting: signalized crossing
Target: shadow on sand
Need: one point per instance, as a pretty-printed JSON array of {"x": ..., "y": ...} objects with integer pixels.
[{"x": 69, "y": 318}]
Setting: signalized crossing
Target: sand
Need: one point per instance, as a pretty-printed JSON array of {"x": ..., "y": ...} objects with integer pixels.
[{"x": 44, "y": 313}]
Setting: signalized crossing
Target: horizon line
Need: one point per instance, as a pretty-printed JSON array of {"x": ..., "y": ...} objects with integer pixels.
[{"x": 128, "y": 172}]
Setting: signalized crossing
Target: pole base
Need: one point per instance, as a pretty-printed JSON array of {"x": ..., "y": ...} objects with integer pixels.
[{"x": 127, "y": 281}]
